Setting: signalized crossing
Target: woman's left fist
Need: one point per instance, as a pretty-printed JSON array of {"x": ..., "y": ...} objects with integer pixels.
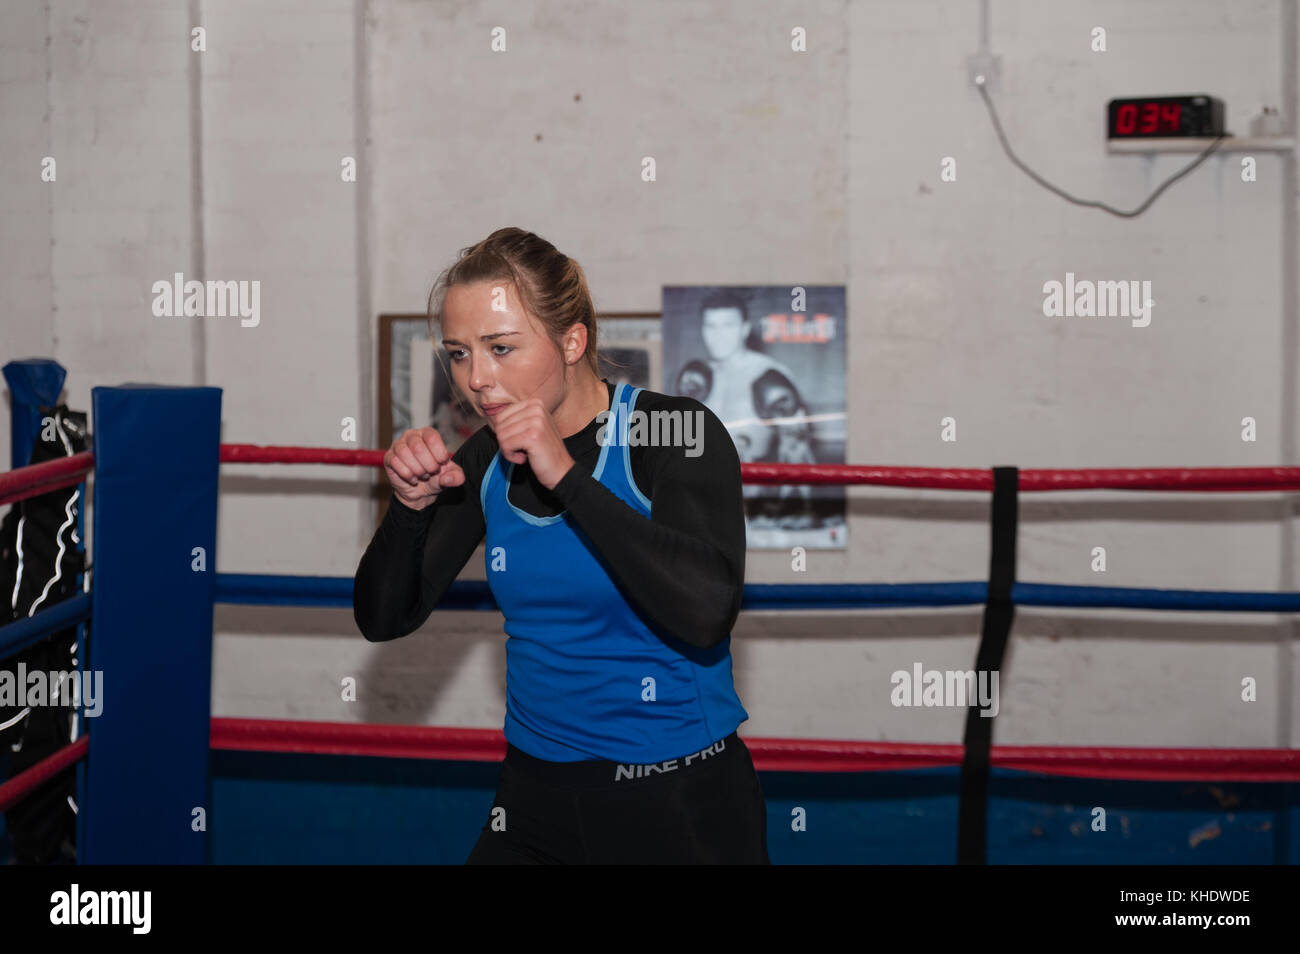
[{"x": 527, "y": 434}]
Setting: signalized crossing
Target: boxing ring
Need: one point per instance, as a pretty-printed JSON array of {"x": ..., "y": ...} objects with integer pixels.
[{"x": 160, "y": 781}]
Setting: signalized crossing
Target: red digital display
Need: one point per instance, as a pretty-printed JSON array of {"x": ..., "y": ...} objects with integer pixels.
[
  {"x": 1149, "y": 119},
  {"x": 1145, "y": 116}
]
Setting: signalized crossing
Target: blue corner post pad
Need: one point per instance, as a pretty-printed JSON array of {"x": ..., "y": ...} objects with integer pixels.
[
  {"x": 154, "y": 509},
  {"x": 34, "y": 383}
]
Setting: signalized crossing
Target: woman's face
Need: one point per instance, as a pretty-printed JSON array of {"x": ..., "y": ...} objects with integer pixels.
[{"x": 497, "y": 354}]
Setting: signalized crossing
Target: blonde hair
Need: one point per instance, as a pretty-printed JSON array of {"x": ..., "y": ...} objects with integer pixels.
[{"x": 552, "y": 286}]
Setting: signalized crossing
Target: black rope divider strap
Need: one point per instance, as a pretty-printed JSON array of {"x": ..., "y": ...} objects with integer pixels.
[{"x": 972, "y": 847}]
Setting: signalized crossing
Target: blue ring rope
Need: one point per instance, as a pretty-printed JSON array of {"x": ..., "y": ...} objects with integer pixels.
[
  {"x": 262, "y": 589},
  {"x": 272, "y": 590}
]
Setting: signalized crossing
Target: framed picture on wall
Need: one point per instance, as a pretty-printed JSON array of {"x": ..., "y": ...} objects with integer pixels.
[
  {"x": 772, "y": 367},
  {"x": 629, "y": 348}
]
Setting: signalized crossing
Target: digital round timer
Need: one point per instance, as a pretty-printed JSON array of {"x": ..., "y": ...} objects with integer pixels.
[{"x": 1164, "y": 116}]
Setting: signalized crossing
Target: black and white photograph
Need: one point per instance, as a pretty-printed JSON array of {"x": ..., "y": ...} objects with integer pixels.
[{"x": 775, "y": 378}]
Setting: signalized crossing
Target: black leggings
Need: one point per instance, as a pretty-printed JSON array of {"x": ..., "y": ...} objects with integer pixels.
[{"x": 703, "y": 808}]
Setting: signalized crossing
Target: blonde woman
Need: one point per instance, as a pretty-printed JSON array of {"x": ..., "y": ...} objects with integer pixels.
[{"x": 619, "y": 570}]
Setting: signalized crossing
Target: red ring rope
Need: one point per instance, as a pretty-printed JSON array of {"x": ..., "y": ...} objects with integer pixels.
[
  {"x": 36, "y": 479},
  {"x": 780, "y": 755},
  {"x": 770, "y": 755},
  {"x": 30, "y": 779},
  {"x": 1200, "y": 479},
  {"x": 52, "y": 475}
]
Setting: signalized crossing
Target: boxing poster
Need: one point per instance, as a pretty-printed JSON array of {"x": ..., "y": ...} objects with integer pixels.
[{"x": 769, "y": 361}]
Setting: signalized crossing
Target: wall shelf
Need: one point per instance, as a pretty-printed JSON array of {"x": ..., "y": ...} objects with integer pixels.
[{"x": 1200, "y": 144}]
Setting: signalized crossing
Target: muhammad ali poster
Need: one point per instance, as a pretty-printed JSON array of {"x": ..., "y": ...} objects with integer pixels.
[{"x": 770, "y": 362}]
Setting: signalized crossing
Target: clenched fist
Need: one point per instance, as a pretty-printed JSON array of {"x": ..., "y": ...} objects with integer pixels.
[
  {"x": 526, "y": 433},
  {"x": 419, "y": 468}
]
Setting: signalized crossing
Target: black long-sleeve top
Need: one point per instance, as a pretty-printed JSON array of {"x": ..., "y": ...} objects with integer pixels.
[{"x": 682, "y": 570}]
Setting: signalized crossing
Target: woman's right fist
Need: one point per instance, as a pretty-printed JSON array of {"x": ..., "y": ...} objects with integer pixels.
[{"x": 419, "y": 468}]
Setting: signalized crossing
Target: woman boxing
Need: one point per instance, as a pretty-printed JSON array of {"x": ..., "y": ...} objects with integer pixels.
[{"x": 619, "y": 571}]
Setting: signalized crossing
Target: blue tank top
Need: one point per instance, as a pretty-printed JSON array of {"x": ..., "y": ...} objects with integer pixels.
[{"x": 586, "y": 678}]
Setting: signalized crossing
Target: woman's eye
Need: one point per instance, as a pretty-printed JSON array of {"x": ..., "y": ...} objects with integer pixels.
[{"x": 459, "y": 354}]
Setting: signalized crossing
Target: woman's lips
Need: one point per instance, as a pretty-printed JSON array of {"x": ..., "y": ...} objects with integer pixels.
[{"x": 491, "y": 409}]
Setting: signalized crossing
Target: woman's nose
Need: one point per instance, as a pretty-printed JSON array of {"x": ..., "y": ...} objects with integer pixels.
[{"x": 478, "y": 377}]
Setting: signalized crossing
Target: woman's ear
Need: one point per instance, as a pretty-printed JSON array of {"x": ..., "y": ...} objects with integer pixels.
[{"x": 575, "y": 343}]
